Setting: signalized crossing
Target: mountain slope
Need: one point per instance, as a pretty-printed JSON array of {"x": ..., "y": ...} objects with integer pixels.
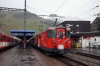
[{"x": 15, "y": 21}]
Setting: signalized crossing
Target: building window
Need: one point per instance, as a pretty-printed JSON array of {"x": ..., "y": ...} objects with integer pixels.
[
  {"x": 77, "y": 32},
  {"x": 60, "y": 26},
  {"x": 71, "y": 31},
  {"x": 77, "y": 25},
  {"x": 69, "y": 25}
]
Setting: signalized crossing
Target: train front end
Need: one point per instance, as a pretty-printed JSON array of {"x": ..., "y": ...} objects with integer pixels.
[
  {"x": 63, "y": 40},
  {"x": 59, "y": 40}
]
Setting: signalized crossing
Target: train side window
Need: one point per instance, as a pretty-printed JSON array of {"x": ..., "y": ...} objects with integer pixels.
[
  {"x": 51, "y": 33},
  {"x": 68, "y": 34},
  {"x": 60, "y": 35},
  {"x": 3, "y": 38},
  {"x": 0, "y": 38},
  {"x": 10, "y": 40}
]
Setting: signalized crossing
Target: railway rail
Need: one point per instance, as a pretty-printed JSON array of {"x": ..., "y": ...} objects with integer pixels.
[
  {"x": 87, "y": 55},
  {"x": 69, "y": 61},
  {"x": 90, "y": 61}
]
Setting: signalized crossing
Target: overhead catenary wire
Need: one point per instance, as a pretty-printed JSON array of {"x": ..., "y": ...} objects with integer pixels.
[
  {"x": 60, "y": 6},
  {"x": 39, "y": 9},
  {"x": 53, "y": 5},
  {"x": 28, "y": 2},
  {"x": 87, "y": 11},
  {"x": 34, "y": 10},
  {"x": 93, "y": 4},
  {"x": 38, "y": 12},
  {"x": 79, "y": 7},
  {"x": 88, "y": 17}
]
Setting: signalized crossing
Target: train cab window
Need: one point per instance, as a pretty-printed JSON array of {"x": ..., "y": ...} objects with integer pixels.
[
  {"x": 68, "y": 34},
  {"x": 51, "y": 33},
  {"x": 60, "y": 35}
]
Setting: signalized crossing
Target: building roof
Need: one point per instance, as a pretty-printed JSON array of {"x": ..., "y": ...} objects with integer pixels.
[
  {"x": 86, "y": 34},
  {"x": 22, "y": 30}
]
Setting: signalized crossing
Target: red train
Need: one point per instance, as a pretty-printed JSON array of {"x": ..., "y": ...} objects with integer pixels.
[
  {"x": 7, "y": 41},
  {"x": 53, "y": 40}
]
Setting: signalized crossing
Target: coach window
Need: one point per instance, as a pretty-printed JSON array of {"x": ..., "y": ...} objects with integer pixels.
[
  {"x": 51, "y": 33},
  {"x": 9, "y": 39},
  {"x": 68, "y": 34},
  {"x": 60, "y": 35},
  {"x": 3, "y": 38},
  {"x": 0, "y": 38}
]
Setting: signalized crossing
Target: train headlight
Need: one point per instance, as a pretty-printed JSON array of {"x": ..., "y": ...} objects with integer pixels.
[{"x": 60, "y": 46}]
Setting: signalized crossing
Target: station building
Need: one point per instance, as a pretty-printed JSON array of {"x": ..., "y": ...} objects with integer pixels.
[
  {"x": 76, "y": 26},
  {"x": 95, "y": 25},
  {"x": 81, "y": 34}
]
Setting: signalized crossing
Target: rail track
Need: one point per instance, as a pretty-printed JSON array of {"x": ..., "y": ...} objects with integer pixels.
[
  {"x": 87, "y": 55},
  {"x": 70, "y": 62},
  {"x": 85, "y": 59}
]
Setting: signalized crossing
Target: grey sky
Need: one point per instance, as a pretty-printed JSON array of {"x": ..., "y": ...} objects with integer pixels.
[{"x": 74, "y": 8}]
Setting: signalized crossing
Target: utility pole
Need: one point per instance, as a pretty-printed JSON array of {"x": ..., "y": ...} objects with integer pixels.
[
  {"x": 25, "y": 25},
  {"x": 25, "y": 17}
]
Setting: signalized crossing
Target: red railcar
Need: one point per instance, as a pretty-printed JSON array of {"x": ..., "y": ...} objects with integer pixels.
[
  {"x": 6, "y": 41},
  {"x": 53, "y": 40}
]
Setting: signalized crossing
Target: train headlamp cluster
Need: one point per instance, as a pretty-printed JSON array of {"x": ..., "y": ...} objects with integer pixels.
[{"x": 60, "y": 46}]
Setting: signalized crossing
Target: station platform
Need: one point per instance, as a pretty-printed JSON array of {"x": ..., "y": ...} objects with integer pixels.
[
  {"x": 95, "y": 52},
  {"x": 24, "y": 57}
]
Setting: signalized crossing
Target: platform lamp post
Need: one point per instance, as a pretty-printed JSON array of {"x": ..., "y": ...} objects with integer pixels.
[{"x": 25, "y": 25}]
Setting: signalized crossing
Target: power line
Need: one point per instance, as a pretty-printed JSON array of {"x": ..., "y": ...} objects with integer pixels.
[{"x": 60, "y": 6}]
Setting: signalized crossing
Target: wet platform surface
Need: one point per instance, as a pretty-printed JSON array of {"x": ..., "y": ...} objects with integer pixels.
[
  {"x": 24, "y": 57},
  {"x": 91, "y": 51}
]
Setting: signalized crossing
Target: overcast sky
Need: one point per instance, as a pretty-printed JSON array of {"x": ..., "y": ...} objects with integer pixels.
[{"x": 84, "y": 9}]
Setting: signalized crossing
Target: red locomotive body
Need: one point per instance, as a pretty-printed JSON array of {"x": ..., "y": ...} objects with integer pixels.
[{"x": 53, "y": 40}]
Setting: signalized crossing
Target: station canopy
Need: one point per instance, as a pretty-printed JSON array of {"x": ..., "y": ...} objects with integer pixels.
[{"x": 21, "y": 33}]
